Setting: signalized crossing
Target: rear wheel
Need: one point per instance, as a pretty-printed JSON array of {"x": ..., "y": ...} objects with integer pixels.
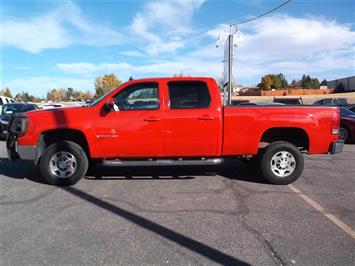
[
  {"x": 282, "y": 163},
  {"x": 344, "y": 134},
  {"x": 63, "y": 163}
]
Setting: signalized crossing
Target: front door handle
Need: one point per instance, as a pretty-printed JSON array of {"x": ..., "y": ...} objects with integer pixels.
[
  {"x": 151, "y": 119},
  {"x": 205, "y": 117}
]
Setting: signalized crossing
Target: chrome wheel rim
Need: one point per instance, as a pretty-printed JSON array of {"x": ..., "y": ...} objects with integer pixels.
[
  {"x": 63, "y": 164},
  {"x": 283, "y": 164},
  {"x": 343, "y": 134}
]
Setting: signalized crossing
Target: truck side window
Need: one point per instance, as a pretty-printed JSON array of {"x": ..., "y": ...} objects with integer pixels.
[
  {"x": 189, "y": 95},
  {"x": 142, "y": 96}
]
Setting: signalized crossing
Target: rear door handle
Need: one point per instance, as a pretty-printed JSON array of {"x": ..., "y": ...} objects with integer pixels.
[
  {"x": 205, "y": 117},
  {"x": 151, "y": 119}
]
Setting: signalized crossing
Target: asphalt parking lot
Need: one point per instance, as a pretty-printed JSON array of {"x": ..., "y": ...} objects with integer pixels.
[{"x": 180, "y": 216}]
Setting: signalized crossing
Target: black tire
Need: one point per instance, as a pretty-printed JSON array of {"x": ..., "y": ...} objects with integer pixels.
[
  {"x": 345, "y": 134},
  {"x": 295, "y": 162},
  {"x": 81, "y": 163}
]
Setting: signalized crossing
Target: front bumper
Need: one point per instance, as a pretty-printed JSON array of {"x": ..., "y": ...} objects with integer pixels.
[
  {"x": 22, "y": 152},
  {"x": 17, "y": 128},
  {"x": 27, "y": 152},
  {"x": 336, "y": 147}
]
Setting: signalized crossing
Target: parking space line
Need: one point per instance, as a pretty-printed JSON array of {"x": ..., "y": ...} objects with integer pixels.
[{"x": 347, "y": 229}]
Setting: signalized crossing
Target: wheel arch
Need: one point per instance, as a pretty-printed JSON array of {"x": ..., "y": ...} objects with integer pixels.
[
  {"x": 52, "y": 136},
  {"x": 295, "y": 135}
]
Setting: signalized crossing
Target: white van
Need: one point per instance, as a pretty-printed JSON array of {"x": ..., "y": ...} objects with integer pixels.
[{"x": 4, "y": 100}]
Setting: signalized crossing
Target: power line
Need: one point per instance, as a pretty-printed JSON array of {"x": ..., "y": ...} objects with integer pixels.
[{"x": 264, "y": 14}]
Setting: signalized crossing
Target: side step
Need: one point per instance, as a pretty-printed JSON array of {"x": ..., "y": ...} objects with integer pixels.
[{"x": 163, "y": 162}]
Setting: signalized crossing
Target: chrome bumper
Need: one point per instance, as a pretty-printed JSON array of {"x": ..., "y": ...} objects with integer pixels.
[
  {"x": 337, "y": 147},
  {"x": 27, "y": 152},
  {"x": 16, "y": 151}
]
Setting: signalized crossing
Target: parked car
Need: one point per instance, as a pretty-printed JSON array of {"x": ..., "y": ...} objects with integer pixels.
[
  {"x": 8, "y": 110},
  {"x": 171, "y": 121},
  {"x": 347, "y": 125},
  {"x": 5, "y": 100},
  {"x": 261, "y": 103},
  {"x": 52, "y": 105},
  {"x": 289, "y": 101},
  {"x": 237, "y": 102},
  {"x": 332, "y": 102}
]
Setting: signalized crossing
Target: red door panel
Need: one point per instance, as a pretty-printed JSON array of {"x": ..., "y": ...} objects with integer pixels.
[{"x": 131, "y": 134}]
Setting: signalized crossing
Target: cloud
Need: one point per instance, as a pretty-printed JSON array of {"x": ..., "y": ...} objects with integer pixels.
[
  {"x": 89, "y": 69},
  {"x": 161, "y": 24},
  {"x": 58, "y": 29},
  {"x": 284, "y": 36},
  {"x": 162, "y": 67},
  {"x": 133, "y": 53},
  {"x": 275, "y": 44},
  {"x": 287, "y": 44}
]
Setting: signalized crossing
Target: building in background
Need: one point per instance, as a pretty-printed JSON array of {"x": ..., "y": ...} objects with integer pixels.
[{"x": 347, "y": 83}]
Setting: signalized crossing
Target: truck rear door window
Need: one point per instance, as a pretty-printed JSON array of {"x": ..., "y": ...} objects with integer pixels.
[{"x": 189, "y": 95}]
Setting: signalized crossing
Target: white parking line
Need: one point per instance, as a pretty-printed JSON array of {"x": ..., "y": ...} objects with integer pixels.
[{"x": 347, "y": 229}]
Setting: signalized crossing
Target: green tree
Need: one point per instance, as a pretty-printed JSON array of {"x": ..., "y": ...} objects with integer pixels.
[
  {"x": 266, "y": 82},
  {"x": 272, "y": 81},
  {"x": 105, "y": 84},
  {"x": 26, "y": 97},
  {"x": 54, "y": 95},
  {"x": 69, "y": 94},
  {"x": 86, "y": 95},
  {"x": 281, "y": 77},
  {"x": 324, "y": 82},
  {"x": 310, "y": 83},
  {"x": 6, "y": 92},
  {"x": 276, "y": 82}
]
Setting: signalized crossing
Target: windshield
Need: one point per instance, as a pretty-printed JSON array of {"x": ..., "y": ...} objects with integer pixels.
[
  {"x": 100, "y": 99},
  {"x": 341, "y": 101},
  {"x": 18, "y": 108}
]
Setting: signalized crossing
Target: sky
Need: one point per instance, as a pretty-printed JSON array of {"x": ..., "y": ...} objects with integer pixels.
[{"x": 68, "y": 43}]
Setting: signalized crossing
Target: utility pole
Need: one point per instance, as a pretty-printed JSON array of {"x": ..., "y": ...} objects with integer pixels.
[{"x": 228, "y": 66}]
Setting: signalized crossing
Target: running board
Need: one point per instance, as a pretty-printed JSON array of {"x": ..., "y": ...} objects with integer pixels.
[{"x": 163, "y": 162}]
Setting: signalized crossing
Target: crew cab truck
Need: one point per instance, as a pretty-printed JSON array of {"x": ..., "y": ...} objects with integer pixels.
[{"x": 171, "y": 121}]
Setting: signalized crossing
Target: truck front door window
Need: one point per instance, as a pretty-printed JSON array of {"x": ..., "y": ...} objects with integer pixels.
[{"x": 138, "y": 97}]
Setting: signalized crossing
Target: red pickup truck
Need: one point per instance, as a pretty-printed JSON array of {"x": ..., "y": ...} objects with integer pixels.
[{"x": 171, "y": 121}]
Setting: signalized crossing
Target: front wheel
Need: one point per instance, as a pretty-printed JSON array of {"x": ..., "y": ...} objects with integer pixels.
[
  {"x": 282, "y": 163},
  {"x": 63, "y": 163}
]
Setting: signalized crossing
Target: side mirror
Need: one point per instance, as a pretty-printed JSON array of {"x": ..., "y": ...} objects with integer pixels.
[{"x": 109, "y": 106}]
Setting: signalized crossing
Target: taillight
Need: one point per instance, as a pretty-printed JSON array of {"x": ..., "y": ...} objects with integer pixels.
[{"x": 335, "y": 123}]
